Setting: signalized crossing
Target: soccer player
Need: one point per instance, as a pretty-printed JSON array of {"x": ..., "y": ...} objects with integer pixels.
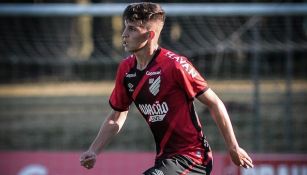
[{"x": 163, "y": 86}]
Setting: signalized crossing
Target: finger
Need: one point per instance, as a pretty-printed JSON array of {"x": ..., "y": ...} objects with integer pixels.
[
  {"x": 86, "y": 166},
  {"x": 246, "y": 163},
  {"x": 87, "y": 162},
  {"x": 89, "y": 158},
  {"x": 84, "y": 161},
  {"x": 86, "y": 155},
  {"x": 249, "y": 159},
  {"x": 89, "y": 166},
  {"x": 83, "y": 157},
  {"x": 249, "y": 163}
]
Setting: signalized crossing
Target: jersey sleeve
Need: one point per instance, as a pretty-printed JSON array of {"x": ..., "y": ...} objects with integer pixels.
[
  {"x": 119, "y": 99},
  {"x": 189, "y": 78}
]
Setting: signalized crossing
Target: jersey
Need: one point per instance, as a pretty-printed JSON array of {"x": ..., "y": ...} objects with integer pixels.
[{"x": 164, "y": 93}]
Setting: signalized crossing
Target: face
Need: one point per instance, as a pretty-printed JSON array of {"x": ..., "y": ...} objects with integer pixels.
[{"x": 135, "y": 37}]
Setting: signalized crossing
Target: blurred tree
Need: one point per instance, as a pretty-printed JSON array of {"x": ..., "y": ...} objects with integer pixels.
[
  {"x": 102, "y": 33},
  {"x": 81, "y": 36}
]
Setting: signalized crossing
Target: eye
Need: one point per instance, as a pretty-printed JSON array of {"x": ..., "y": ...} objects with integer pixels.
[{"x": 132, "y": 28}]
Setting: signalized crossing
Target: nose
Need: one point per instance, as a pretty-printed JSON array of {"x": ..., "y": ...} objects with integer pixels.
[{"x": 124, "y": 34}]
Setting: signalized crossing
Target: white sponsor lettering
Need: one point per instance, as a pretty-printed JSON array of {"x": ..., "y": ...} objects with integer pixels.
[
  {"x": 183, "y": 62},
  {"x": 131, "y": 75},
  {"x": 153, "y": 73},
  {"x": 34, "y": 169},
  {"x": 155, "y": 111},
  {"x": 156, "y": 118},
  {"x": 266, "y": 169}
]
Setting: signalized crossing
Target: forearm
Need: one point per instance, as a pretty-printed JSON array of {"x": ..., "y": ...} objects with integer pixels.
[
  {"x": 221, "y": 118},
  {"x": 110, "y": 127}
]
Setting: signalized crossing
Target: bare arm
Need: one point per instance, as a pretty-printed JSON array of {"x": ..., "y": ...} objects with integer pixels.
[
  {"x": 110, "y": 127},
  {"x": 221, "y": 118}
]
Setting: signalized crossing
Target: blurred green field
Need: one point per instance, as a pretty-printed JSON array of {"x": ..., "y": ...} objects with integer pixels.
[{"x": 67, "y": 116}]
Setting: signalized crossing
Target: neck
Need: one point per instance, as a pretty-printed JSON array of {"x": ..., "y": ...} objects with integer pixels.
[{"x": 144, "y": 56}]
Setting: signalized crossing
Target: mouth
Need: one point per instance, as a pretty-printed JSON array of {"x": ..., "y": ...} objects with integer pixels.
[{"x": 125, "y": 43}]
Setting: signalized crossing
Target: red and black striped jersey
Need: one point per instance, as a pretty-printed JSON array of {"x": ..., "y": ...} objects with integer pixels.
[{"x": 164, "y": 93}]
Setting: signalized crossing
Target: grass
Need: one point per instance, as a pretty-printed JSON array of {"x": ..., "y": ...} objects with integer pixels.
[{"x": 67, "y": 116}]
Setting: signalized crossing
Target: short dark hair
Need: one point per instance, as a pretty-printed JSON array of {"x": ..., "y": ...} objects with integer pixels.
[{"x": 144, "y": 12}]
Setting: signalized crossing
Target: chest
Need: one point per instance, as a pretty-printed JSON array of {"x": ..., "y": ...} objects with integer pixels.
[{"x": 149, "y": 85}]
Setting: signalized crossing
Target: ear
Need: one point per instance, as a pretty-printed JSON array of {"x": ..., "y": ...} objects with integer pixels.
[{"x": 151, "y": 34}]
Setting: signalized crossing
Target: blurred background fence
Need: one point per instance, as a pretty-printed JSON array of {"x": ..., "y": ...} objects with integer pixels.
[{"x": 57, "y": 63}]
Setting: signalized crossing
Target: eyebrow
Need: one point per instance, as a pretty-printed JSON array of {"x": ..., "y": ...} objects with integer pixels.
[{"x": 133, "y": 26}]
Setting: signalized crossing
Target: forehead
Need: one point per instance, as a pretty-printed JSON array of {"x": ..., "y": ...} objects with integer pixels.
[{"x": 134, "y": 23}]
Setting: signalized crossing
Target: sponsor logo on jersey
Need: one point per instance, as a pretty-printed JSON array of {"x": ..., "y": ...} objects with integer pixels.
[
  {"x": 131, "y": 75},
  {"x": 153, "y": 73},
  {"x": 155, "y": 85},
  {"x": 130, "y": 86},
  {"x": 198, "y": 153},
  {"x": 156, "y": 111},
  {"x": 183, "y": 62}
]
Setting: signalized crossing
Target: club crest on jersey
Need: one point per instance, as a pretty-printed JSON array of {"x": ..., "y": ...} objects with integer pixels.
[{"x": 154, "y": 85}]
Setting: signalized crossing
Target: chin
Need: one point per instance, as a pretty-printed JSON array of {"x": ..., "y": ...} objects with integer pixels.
[
  {"x": 130, "y": 50},
  {"x": 134, "y": 49},
  {"x": 127, "y": 49}
]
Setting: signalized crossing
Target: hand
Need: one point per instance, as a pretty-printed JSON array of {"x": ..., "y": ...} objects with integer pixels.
[
  {"x": 88, "y": 159},
  {"x": 241, "y": 158}
]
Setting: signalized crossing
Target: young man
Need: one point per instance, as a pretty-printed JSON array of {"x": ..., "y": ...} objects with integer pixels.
[{"x": 163, "y": 86}]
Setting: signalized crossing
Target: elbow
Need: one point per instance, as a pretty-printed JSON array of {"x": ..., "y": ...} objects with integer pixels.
[
  {"x": 215, "y": 104},
  {"x": 116, "y": 121},
  {"x": 217, "y": 108},
  {"x": 114, "y": 127}
]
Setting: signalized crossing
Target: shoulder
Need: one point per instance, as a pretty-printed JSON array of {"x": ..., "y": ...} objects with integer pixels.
[
  {"x": 126, "y": 64},
  {"x": 128, "y": 61},
  {"x": 180, "y": 63},
  {"x": 173, "y": 58}
]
